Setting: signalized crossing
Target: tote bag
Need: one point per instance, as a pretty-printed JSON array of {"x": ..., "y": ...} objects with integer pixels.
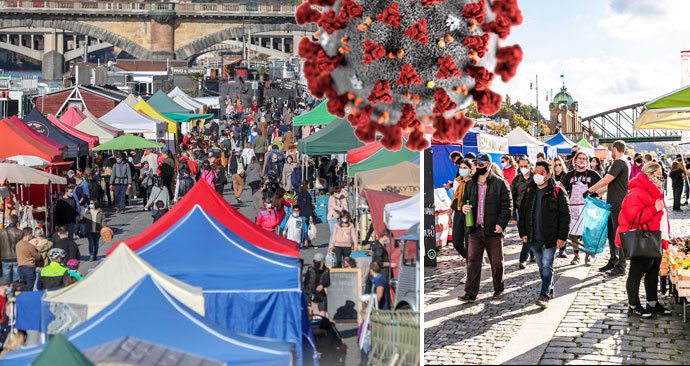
[{"x": 595, "y": 225}]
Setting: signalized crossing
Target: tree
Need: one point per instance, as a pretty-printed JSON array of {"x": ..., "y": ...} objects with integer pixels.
[
  {"x": 519, "y": 121},
  {"x": 197, "y": 78},
  {"x": 498, "y": 129},
  {"x": 471, "y": 111}
]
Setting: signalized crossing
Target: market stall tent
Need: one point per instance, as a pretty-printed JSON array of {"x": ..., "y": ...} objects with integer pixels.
[
  {"x": 90, "y": 139},
  {"x": 443, "y": 168},
  {"x": 125, "y": 351},
  {"x": 99, "y": 129},
  {"x": 562, "y": 144},
  {"x": 148, "y": 312},
  {"x": 225, "y": 266},
  {"x": 127, "y": 142},
  {"x": 204, "y": 196},
  {"x": 358, "y": 154},
  {"x": 402, "y": 178},
  {"x": 382, "y": 159},
  {"x": 522, "y": 143},
  {"x": 376, "y": 201},
  {"x": 19, "y": 174},
  {"x": 183, "y": 99},
  {"x": 668, "y": 112},
  {"x": 476, "y": 141},
  {"x": 60, "y": 351},
  {"x": 117, "y": 274},
  {"x": 75, "y": 146},
  {"x": 143, "y": 107},
  {"x": 319, "y": 115},
  {"x": 336, "y": 138},
  {"x": 96, "y": 120},
  {"x": 586, "y": 147},
  {"x": 19, "y": 124},
  {"x": 131, "y": 100},
  {"x": 125, "y": 118},
  {"x": 24, "y": 143},
  {"x": 402, "y": 215},
  {"x": 164, "y": 104},
  {"x": 28, "y": 160}
]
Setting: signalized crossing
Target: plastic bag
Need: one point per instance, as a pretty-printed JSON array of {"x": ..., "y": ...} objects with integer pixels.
[
  {"x": 330, "y": 260},
  {"x": 311, "y": 233},
  {"x": 595, "y": 225}
]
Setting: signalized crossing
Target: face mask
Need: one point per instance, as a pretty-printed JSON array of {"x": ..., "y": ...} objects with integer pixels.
[
  {"x": 539, "y": 179},
  {"x": 92, "y": 206},
  {"x": 345, "y": 220},
  {"x": 504, "y": 165},
  {"x": 582, "y": 166},
  {"x": 524, "y": 171},
  {"x": 482, "y": 171},
  {"x": 295, "y": 214},
  {"x": 268, "y": 205},
  {"x": 463, "y": 172}
]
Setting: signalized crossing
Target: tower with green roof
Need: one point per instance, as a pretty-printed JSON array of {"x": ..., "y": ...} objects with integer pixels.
[{"x": 564, "y": 113}]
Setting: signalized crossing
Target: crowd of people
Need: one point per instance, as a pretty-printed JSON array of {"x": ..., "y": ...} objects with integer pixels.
[{"x": 545, "y": 199}]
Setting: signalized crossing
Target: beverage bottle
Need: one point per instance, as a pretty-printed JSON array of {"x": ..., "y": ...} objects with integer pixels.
[{"x": 469, "y": 217}]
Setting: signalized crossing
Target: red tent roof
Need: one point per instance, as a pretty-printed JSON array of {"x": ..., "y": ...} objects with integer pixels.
[
  {"x": 18, "y": 123},
  {"x": 360, "y": 153},
  {"x": 215, "y": 205},
  {"x": 90, "y": 139},
  {"x": 25, "y": 144},
  {"x": 377, "y": 200},
  {"x": 72, "y": 117}
]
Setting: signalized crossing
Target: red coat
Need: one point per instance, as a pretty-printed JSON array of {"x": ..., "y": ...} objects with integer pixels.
[
  {"x": 638, "y": 206},
  {"x": 267, "y": 219},
  {"x": 509, "y": 174}
]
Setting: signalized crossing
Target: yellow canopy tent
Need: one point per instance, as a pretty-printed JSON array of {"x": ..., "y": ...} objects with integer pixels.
[
  {"x": 668, "y": 112},
  {"x": 146, "y": 109}
]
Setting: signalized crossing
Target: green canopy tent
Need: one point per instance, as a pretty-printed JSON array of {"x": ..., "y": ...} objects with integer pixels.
[
  {"x": 381, "y": 159},
  {"x": 668, "y": 112},
  {"x": 127, "y": 142},
  {"x": 187, "y": 117},
  {"x": 585, "y": 146},
  {"x": 60, "y": 351},
  {"x": 336, "y": 138},
  {"x": 316, "y": 116},
  {"x": 164, "y": 104}
]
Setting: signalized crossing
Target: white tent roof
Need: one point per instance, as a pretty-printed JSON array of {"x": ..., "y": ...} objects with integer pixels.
[
  {"x": 183, "y": 99},
  {"x": 20, "y": 174},
  {"x": 125, "y": 118},
  {"x": 402, "y": 215},
  {"x": 29, "y": 160},
  {"x": 518, "y": 137},
  {"x": 212, "y": 102},
  {"x": 117, "y": 274},
  {"x": 104, "y": 132}
]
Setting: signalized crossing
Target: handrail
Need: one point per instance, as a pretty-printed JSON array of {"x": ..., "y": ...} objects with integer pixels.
[{"x": 144, "y": 7}]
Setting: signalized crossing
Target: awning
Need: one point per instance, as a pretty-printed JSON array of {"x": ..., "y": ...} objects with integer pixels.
[
  {"x": 376, "y": 201},
  {"x": 127, "y": 142},
  {"x": 336, "y": 138},
  {"x": 668, "y": 112},
  {"x": 402, "y": 178},
  {"x": 381, "y": 159},
  {"x": 19, "y": 174},
  {"x": 317, "y": 116},
  {"x": 358, "y": 154},
  {"x": 187, "y": 117}
]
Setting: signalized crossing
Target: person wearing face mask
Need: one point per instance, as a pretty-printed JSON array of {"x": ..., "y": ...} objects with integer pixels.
[
  {"x": 316, "y": 279},
  {"x": 644, "y": 209},
  {"x": 508, "y": 167},
  {"x": 576, "y": 183},
  {"x": 517, "y": 190},
  {"x": 636, "y": 166},
  {"x": 294, "y": 227},
  {"x": 93, "y": 221},
  {"x": 267, "y": 218},
  {"x": 488, "y": 198},
  {"x": 595, "y": 164},
  {"x": 458, "y": 218},
  {"x": 559, "y": 169},
  {"x": 336, "y": 206},
  {"x": 544, "y": 223},
  {"x": 120, "y": 181},
  {"x": 379, "y": 255},
  {"x": 344, "y": 238}
]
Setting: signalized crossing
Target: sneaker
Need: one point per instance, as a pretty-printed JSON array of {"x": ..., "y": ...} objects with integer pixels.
[
  {"x": 606, "y": 268},
  {"x": 588, "y": 260},
  {"x": 497, "y": 295},
  {"x": 463, "y": 279},
  {"x": 466, "y": 298},
  {"x": 658, "y": 309},
  {"x": 575, "y": 261},
  {"x": 521, "y": 265},
  {"x": 543, "y": 302},
  {"x": 639, "y": 312},
  {"x": 616, "y": 272}
]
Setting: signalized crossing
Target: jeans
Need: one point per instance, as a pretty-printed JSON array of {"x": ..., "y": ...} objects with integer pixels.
[
  {"x": 617, "y": 259},
  {"x": 545, "y": 257},
  {"x": 9, "y": 271},
  {"x": 340, "y": 253},
  {"x": 477, "y": 243},
  {"x": 93, "y": 239},
  {"x": 27, "y": 275},
  {"x": 71, "y": 229},
  {"x": 120, "y": 193},
  {"x": 331, "y": 224},
  {"x": 649, "y": 268}
]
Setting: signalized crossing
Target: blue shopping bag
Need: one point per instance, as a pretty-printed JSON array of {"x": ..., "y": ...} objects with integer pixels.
[{"x": 595, "y": 225}]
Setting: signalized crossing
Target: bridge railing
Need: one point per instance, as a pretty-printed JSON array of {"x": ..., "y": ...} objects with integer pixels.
[{"x": 144, "y": 7}]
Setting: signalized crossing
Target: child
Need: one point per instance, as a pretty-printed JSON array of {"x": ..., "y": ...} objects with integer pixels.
[
  {"x": 73, "y": 269},
  {"x": 161, "y": 210}
]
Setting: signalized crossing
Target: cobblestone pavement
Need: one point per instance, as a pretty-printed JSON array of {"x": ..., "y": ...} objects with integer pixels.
[{"x": 596, "y": 328}]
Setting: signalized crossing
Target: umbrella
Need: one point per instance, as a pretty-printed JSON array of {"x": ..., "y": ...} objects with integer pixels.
[
  {"x": 29, "y": 160},
  {"x": 15, "y": 173},
  {"x": 127, "y": 142},
  {"x": 668, "y": 112}
]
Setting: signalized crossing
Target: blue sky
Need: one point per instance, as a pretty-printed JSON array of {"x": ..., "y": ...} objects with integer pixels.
[{"x": 613, "y": 52}]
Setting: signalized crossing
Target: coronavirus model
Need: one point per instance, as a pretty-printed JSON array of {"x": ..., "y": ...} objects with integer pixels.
[{"x": 400, "y": 67}]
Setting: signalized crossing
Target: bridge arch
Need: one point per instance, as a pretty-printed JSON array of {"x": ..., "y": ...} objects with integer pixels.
[
  {"x": 81, "y": 28},
  {"x": 203, "y": 44}
]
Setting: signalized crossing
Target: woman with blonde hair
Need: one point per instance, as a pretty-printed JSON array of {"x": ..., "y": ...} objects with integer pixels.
[{"x": 559, "y": 169}]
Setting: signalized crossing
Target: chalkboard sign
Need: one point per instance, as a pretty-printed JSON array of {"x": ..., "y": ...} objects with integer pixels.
[
  {"x": 343, "y": 295},
  {"x": 429, "y": 210}
]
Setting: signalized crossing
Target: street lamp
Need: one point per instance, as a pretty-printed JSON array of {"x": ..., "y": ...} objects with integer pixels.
[{"x": 535, "y": 87}]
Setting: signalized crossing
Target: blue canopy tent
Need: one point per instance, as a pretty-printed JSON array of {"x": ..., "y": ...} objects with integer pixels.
[
  {"x": 146, "y": 311},
  {"x": 476, "y": 142},
  {"x": 444, "y": 169},
  {"x": 562, "y": 144},
  {"x": 202, "y": 252}
]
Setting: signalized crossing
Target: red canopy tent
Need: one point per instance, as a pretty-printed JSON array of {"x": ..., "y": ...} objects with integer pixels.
[
  {"x": 17, "y": 123},
  {"x": 90, "y": 139},
  {"x": 358, "y": 154},
  {"x": 72, "y": 117},
  {"x": 23, "y": 143},
  {"x": 211, "y": 202},
  {"x": 377, "y": 200}
]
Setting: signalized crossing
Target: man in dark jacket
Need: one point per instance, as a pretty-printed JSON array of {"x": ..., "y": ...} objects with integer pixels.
[
  {"x": 544, "y": 225},
  {"x": 491, "y": 206},
  {"x": 517, "y": 189},
  {"x": 9, "y": 237},
  {"x": 68, "y": 245},
  {"x": 67, "y": 210},
  {"x": 316, "y": 279}
]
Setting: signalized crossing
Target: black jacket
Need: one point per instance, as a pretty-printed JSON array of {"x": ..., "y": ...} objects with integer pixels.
[
  {"x": 9, "y": 237},
  {"x": 498, "y": 204},
  {"x": 517, "y": 189},
  {"x": 555, "y": 214},
  {"x": 70, "y": 247}
]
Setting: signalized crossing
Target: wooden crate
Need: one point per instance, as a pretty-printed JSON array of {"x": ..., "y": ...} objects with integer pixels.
[{"x": 683, "y": 287}]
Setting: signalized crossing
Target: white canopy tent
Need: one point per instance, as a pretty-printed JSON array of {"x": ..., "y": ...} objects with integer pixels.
[
  {"x": 211, "y": 102},
  {"x": 20, "y": 174},
  {"x": 518, "y": 136},
  {"x": 112, "y": 278},
  {"x": 125, "y": 118},
  {"x": 183, "y": 99},
  {"x": 402, "y": 215}
]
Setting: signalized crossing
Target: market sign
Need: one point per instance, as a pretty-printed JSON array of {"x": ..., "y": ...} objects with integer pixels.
[
  {"x": 486, "y": 142},
  {"x": 187, "y": 70},
  {"x": 40, "y": 128}
]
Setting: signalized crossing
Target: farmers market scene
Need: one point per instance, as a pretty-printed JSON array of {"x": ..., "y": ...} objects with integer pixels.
[
  {"x": 195, "y": 202},
  {"x": 556, "y": 232}
]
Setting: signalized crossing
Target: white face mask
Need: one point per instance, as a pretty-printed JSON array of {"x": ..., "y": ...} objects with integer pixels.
[
  {"x": 345, "y": 220},
  {"x": 524, "y": 171},
  {"x": 504, "y": 165},
  {"x": 463, "y": 172},
  {"x": 582, "y": 166},
  {"x": 539, "y": 179}
]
